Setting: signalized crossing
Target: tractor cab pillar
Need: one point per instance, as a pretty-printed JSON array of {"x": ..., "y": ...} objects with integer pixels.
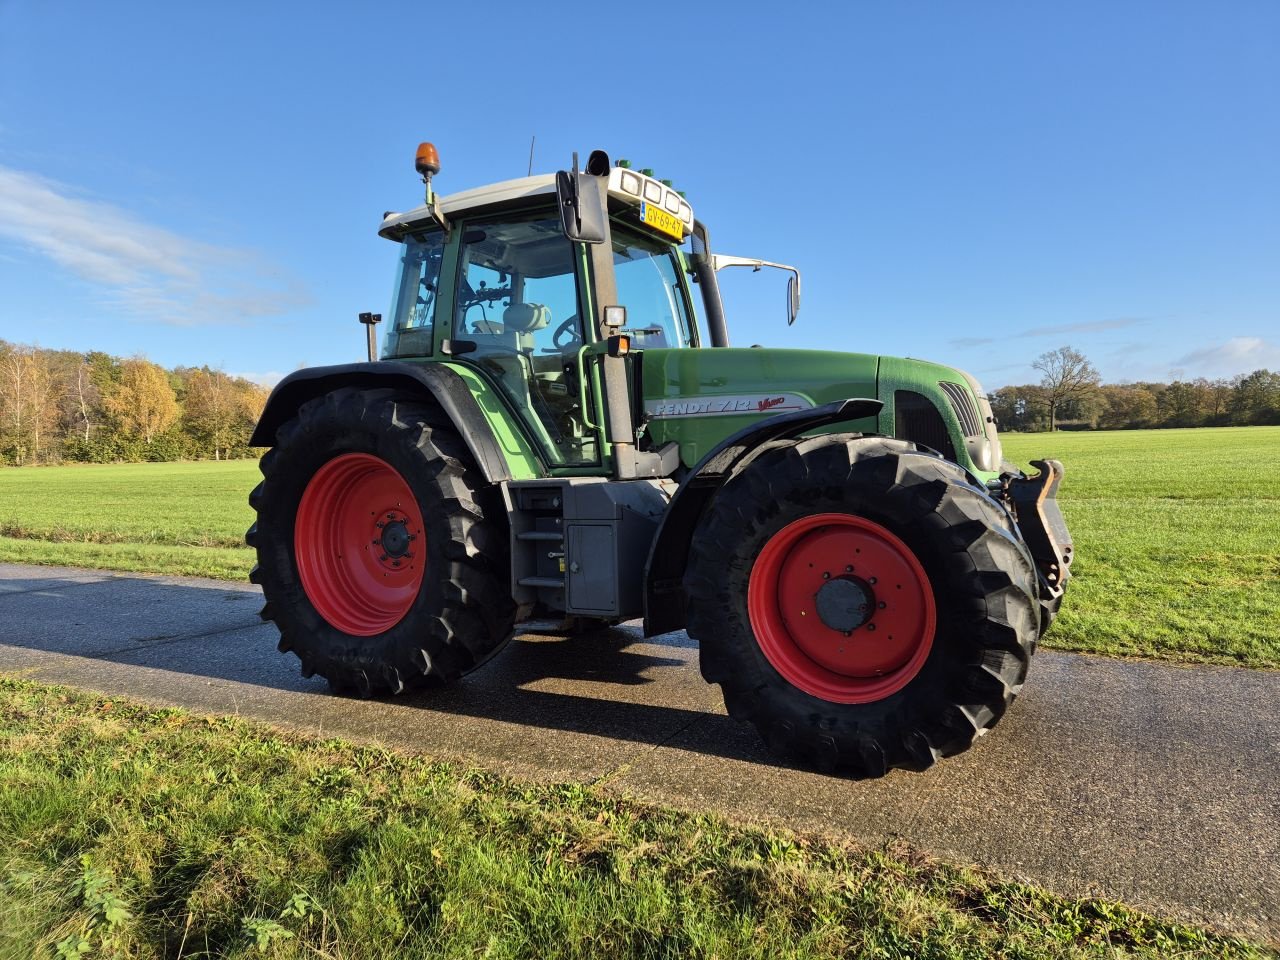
[{"x": 583, "y": 197}]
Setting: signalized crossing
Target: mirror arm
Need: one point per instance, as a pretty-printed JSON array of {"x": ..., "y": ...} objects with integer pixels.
[{"x": 719, "y": 261}]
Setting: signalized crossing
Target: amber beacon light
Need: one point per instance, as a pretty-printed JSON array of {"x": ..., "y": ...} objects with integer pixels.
[{"x": 427, "y": 161}]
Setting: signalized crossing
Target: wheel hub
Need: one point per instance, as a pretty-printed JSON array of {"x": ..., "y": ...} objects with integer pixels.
[
  {"x": 845, "y": 603},
  {"x": 395, "y": 538}
]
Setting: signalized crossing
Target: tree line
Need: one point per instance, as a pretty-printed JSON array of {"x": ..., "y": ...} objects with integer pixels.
[
  {"x": 1072, "y": 393},
  {"x": 60, "y": 405}
]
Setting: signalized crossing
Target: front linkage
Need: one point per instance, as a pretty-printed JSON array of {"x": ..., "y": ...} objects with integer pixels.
[{"x": 1034, "y": 501}]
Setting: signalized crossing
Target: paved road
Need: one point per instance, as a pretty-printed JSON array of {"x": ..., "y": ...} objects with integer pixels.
[{"x": 1152, "y": 784}]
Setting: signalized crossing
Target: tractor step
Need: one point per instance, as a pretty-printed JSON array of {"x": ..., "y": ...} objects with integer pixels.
[
  {"x": 579, "y": 544},
  {"x": 555, "y": 583}
]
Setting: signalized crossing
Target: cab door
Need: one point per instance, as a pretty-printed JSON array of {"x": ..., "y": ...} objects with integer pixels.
[{"x": 517, "y": 318}]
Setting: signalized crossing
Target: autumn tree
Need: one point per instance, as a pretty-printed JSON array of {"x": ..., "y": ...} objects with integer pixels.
[
  {"x": 82, "y": 400},
  {"x": 1255, "y": 398},
  {"x": 1068, "y": 377},
  {"x": 253, "y": 397},
  {"x": 143, "y": 401},
  {"x": 216, "y": 411},
  {"x": 1219, "y": 399},
  {"x": 29, "y": 394},
  {"x": 1018, "y": 408},
  {"x": 1128, "y": 405},
  {"x": 1185, "y": 403}
]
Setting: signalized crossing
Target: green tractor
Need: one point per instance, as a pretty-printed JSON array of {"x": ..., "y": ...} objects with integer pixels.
[{"x": 557, "y": 428}]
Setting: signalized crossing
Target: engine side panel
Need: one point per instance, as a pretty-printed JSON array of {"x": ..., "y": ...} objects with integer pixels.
[{"x": 698, "y": 397}]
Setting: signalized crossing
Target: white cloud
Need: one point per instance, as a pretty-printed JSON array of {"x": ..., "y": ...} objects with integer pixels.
[
  {"x": 1237, "y": 355},
  {"x": 1086, "y": 326},
  {"x": 147, "y": 271}
]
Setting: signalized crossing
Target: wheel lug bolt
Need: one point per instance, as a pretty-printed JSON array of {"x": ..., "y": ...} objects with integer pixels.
[
  {"x": 825, "y": 575},
  {"x": 849, "y": 568},
  {"x": 871, "y": 626},
  {"x": 383, "y": 557},
  {"x": 871, "y": 580},
  {"x": 881, "y": 604}
]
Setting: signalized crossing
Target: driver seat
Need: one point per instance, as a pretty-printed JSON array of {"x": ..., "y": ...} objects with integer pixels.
[
  {"x": 523, "y": 319},
  {"x": 509, "y": 349}
]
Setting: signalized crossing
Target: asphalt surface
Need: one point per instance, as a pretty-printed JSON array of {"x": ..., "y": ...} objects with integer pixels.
[{"x": 1152, "y": 784}]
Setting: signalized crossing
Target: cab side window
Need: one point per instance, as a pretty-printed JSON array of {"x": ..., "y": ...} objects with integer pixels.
[{"x": 413, "y": 303}]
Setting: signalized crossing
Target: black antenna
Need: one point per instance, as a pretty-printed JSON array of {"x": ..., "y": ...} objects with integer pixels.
[{"x": 532, "y": 140}]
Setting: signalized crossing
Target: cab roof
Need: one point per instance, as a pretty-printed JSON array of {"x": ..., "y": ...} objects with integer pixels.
[
  {"x": 626, "y": 185},
  {"x": 394, "y": 224}
]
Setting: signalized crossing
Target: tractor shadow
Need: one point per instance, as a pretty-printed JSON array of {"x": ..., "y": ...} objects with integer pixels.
[{"x": 611, "y": 683}]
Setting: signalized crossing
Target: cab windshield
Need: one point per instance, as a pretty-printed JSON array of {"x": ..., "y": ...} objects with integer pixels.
[{"x": 648, "y": 278}]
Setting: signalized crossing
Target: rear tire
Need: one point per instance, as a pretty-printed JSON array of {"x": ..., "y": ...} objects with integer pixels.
[
  {"x": 382, "y": 556},
  {"x": 883, "y": 521}
]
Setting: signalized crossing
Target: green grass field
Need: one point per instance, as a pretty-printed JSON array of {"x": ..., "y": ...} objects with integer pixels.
[
  {"x": 181, "y": 518},
  {"x": 1177, "y": 533},
  {"x": 139, "y": 832},
  {"x": 1178, "y": 540}
]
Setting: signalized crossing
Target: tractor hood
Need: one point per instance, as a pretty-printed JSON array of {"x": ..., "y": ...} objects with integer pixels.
[
  {"x": 971, "y": 438},
  {"x": 698, "y": 397}
]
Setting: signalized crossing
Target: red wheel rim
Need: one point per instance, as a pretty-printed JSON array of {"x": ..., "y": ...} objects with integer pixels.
[
  {"x": 359, "y": 544},
  {"x": 841, "y": 608}
]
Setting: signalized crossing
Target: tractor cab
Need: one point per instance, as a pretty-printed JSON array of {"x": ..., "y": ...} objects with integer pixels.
[{"x": 492, "y": 280}]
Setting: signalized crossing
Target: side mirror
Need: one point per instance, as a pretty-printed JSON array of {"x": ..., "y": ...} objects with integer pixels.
[
  {"x": 583, "y": 203},
  {"x": 719, "y": 261}
]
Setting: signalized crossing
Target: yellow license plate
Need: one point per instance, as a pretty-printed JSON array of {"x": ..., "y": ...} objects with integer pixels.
[{"x": 662, "y": 221}]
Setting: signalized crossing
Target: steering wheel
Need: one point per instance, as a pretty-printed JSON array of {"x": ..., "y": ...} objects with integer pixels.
[{"x": 566, "y": 335}]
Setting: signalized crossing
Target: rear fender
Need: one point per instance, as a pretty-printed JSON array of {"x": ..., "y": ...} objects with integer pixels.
[
  {"x": 435, "y": 380},
  {"x": 664, "y": 599}
]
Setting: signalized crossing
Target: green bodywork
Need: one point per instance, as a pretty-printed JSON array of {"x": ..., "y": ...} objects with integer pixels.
[
  {"x": 698, "y": 396},
  {"x": 696, "y": 383},
  {"x": 522, "y": 459},
  {"x": 819, "y": 376},
  {"x": 688, "y": 381}
]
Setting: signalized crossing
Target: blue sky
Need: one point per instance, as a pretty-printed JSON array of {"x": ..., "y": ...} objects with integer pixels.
[{"x": 974, "y": 183}]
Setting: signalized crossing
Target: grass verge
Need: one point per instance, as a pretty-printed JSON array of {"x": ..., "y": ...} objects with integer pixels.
[{"x": 141, "y": 832}]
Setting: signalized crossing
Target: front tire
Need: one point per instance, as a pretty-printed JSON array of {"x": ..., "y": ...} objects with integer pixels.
[
  {"x": 381, "y": 553},
  {"x": 862, "y": 603}
]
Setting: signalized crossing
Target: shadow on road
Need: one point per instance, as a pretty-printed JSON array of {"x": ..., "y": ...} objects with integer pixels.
[{"x": 612, "y": 683}]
